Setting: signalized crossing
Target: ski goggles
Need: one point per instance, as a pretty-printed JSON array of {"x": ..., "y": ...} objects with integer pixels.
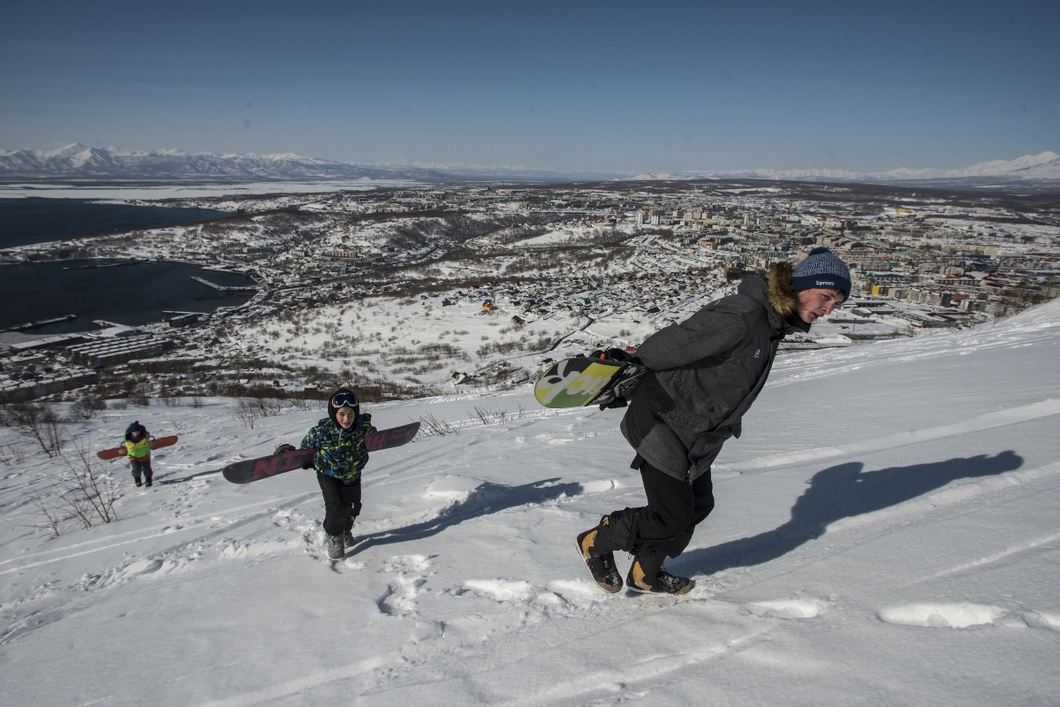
[{"x": 344, "y": 400}]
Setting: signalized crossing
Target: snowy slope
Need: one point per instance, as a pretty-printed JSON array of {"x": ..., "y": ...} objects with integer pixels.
[{"x": 885, "y": 534}]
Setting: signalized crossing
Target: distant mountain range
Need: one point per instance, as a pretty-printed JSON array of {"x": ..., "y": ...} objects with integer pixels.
[
  {"x": 1041, "y": 171},
  {"x": 77, "y": 163}
]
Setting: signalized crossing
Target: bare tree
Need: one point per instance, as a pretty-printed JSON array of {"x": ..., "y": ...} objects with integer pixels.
[
  {"x": 86, "y": 408},
  {"x": 12, "y": 455},
  {"x": 84, "y": 493},
  {"x": 433, "y": 427},
  {"x": 38, "y": 421},
  {"x": 250, "y": 409}
]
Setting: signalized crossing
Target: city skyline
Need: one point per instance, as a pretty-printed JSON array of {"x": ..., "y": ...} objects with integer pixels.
[{"x": 617, "y": 87}]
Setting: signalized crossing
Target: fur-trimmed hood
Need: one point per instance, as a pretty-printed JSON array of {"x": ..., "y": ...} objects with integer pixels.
[
  {"x": 780, "y": 292},
  {"x": 706, "y": 371}
]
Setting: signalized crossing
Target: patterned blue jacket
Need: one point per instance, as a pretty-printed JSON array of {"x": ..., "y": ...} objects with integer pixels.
[{"x": 340, "y": 453}]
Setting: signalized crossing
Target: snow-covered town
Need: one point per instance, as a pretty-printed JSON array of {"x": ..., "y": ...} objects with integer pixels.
[{"x": 417, "y": 290}]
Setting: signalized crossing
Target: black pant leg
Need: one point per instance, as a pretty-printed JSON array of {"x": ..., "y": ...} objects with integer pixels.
[
  {"x": 351, "y": 494},
  {"x": 670, "y": 507},
  {"x": 668, "y": 520},
  {"x": 342, "y": 503},
  {"x": 702, "y": 505},
  {"x": 137, "y": 468}
]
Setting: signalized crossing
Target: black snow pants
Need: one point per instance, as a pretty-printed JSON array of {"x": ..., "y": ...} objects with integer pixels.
[
  {"x": 342, "y": 503},
  {"x": 141, "y": 467},
  {"x": 662, "y": 528}
]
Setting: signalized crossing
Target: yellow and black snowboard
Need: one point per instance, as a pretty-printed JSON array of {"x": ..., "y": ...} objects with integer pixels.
[{"x": 576, "y": 382}]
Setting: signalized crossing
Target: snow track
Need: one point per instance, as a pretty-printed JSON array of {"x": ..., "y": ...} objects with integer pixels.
[
  {"x": 1024, "y": 413},
  {"x": 902, "y": 549}
]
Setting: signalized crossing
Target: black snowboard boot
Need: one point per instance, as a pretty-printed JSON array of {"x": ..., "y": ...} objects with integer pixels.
[
  {"x": 137, "y": 480},
  {"x": 148, "y": 482},
  {"x": 347, "y": 537},
  {"x": 639, "y": 580},
  {"x": 336, "y": 550},
  {"x": 593, "y": 546}
]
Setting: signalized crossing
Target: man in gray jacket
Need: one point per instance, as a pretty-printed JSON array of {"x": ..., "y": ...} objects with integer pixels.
[{"x": 704, "y": 373}]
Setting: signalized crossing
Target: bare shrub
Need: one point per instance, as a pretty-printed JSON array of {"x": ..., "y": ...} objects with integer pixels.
[
  {"x": 431, "y": 426},
  {"x": 138, "y": 394},
  {"x": 84, "y": 493},
  {"x": 305, "y": 404},
  {"x": 12, "y": 455},
  {"x": 53, "y": 520},
  {"x": 38, "y": 421},
  {"x": 86, "y": 408},
  {"x": 486, "y": 416},
  {"x": 250, "y": 409}
]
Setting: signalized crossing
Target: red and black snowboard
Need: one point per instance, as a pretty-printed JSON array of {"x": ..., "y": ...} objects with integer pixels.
[
  {"x": 116, "y": 452},
  {"x": 254, "y": 469}
]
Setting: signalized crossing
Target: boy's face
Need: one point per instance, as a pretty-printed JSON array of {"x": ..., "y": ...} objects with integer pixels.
[
  {"x": 345, "y": 417},
  {"x": 135, "y": 433},
  {"x": 817, "y": 302}
]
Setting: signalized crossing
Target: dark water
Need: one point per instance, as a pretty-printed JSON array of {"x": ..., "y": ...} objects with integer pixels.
[
  {"x": 128, "y": 294},
  {"x": 41, "y": 220}
]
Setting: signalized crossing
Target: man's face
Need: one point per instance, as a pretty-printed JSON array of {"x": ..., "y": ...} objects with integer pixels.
[
  {"x": 817, "y": 302},
  {"x": 345, "y": 417}
]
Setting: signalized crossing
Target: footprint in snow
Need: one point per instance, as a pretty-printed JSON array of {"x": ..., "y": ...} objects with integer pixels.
[
  {"x": 786, "y": 609},
  {"x": 399, "y": 598},
  {"x": 961, "y": 615},
  {"x": 499, "y": 590},
  {"x": 1035, "y": 619}
]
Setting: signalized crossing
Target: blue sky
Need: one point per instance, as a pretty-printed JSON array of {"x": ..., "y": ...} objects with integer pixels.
[{"x": 581, "y": 85}]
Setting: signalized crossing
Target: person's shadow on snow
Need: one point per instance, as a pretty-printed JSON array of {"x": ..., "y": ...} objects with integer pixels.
[
  {"x": 842, "y": 491},
  {"x": 487, "y": 498}
]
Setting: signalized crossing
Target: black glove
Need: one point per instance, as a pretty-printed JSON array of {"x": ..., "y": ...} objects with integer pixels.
[
  {"x": 616, "y": 403},
  {"x": 610, "y": 355},
  {"x": 308, "y": 463}
]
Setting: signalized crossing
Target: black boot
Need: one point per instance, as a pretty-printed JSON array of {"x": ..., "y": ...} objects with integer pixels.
[
  {"x": 336, "y": 549},
  {"x": 148, "y": 482},
  {"x": 137, "y": 480},
  {"x": 648, "y": 574},
  {"x": 598, "y": 552}
]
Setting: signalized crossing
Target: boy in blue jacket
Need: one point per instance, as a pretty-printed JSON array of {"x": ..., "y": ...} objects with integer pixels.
[{"x": 341, "y": 454}]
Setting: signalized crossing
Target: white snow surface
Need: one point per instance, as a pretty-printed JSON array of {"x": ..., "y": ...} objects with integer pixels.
[{"x": 885, "y": 533}]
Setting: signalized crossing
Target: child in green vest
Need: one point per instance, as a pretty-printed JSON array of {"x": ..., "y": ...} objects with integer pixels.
[{"x": 138, "y": 448}]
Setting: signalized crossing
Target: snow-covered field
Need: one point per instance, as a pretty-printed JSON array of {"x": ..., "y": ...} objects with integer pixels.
[{"x": 885, "y": 534}]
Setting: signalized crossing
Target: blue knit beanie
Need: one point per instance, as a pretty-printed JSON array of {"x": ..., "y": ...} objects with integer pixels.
[{"x": 821, "y": 268}]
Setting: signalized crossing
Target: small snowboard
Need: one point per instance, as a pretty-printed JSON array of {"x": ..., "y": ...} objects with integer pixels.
[
  {"x": 575, "y": 382},
  {"x": 120, "y": 451},
  {"x": 243, "y": 472}
]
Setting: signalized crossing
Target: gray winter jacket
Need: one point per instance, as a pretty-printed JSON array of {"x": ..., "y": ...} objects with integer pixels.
[{"x": 706, "y": 371}]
